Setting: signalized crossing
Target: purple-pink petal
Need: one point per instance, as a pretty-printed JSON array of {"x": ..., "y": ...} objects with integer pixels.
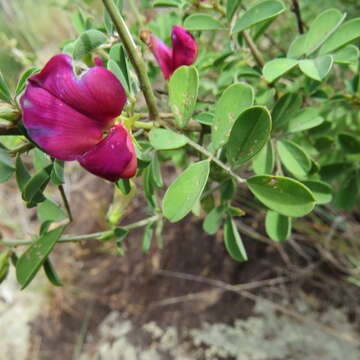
[
  {"x": 184, "y": 46},
  {"x": 161, "y": 52},
  {"x": 56, "y": 127},
  {"x": 96, "y": 93},
  {"x": 112, "y": 158}
]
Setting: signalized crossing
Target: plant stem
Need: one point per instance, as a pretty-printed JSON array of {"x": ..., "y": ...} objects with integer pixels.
[
  {"x": 253, "y": 48},
  {"x": 143, "y": 125},
  {"x": 135, "y": 57},
  {"x": 211, "y": 157},
  {"x": 66, "y": 202},
  {"x": 295, "y": 8},
  {"x": 103, "y": 235}
]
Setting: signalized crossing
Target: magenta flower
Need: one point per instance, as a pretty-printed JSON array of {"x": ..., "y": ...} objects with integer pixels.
[
  {"x": 184, "y": 49},
  {"x": 67, "y": 116}
]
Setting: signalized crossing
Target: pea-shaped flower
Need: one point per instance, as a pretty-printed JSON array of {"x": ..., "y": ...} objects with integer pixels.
[
  {"x": 67, "y": 116},
  {"x": 184, "y": 49}
]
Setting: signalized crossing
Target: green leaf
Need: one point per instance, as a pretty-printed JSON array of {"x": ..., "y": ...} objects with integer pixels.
[
  {"x": 213, "y": 220},
  {"x": 57, "y": 173},
  {"x": 330, "y": 172},
  {"x": 318, "y": 68},
  {"x": 183, "y": 92},
  {"x": 31, "y": 260},
  {"x": 40, "y": 159},
  {"x": 117, "y": 54},
  {"x": 234, "y": 100},
  {"x": 347, "y": 55},
  {"x": 294, "y": 158},
  {"x": 304, "y": 120},
  {"x": 124, "y": 186},
  {"x": 36, "y": 185},
  {"x": 120, "y": 235},
  {"x": 166, "y": 3},
  {"x": 277, "y": 226},
  {"x": 51, "y": 273},
  {"x": 258, "y": 13},
  {"x": 283, "y": 195},
  {"x": 6, "y": 166},
  {"x": 149, "y": 187},
  {"x": 227, "y": 190},
  {"x": 249, "y": 134},
  {"x": 284, "y": 110},
  {"x": 233, "y": 242},
  {"x": 347, "y": 196},
  {"x": 185, "y": 191},
  {"x": 321, "y": 28},
  {"x": 349, "y": 143},
  {"x": 88, "y": 41},
  {"x": 23, "y": 78},
  {"x": 322, "y": 191},
  {"x": 156, "y": 171},
  {"x": 264, "y": 161},
  {"x": 147, "y": 237},
  {"x": 346, "y": 33},
  {"x": 50, "y": 211},
  {"x": 278, "y": 67},
  {"x": 4, "y": 90},
  {"x": 164, "y": 139},
  {"x": 78, "y": 21},
  {"x": 231, "y": 6},
  {"x": 116, "y": 70},
  {"x": 196, "y": 22},
  {"x": 4, "y": 264},
  {"x": 205, "y": 118},
  {"x": 22, "y": 175},
  {"x": 297, "y": 47}
]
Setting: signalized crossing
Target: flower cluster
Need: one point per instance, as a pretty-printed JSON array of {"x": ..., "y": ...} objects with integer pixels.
[{"x": 67, "y": 117}]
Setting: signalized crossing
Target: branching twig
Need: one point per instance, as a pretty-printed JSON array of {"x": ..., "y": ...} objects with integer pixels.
[
  {"x": 237, "y": 289},
  {"x": 102, "y": 235}
]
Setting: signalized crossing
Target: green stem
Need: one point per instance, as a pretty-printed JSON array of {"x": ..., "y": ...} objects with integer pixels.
[
  {"x": 103, "y": 235},
  {"x": 143, "y": 125},
  {"x": 218, "y": 162},
  {"x": 135, "y": 57},
  {"x": 253, "y": 48},
  {"x": 66, "y": 202}
]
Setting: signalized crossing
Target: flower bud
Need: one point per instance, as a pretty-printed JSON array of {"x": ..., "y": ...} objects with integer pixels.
[{"x": 9, "y": 112}]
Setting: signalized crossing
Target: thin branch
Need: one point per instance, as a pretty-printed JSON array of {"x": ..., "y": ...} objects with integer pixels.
[
  {"x": 102, "y": 235},
  {"x": 66, "y": 202},
  {"x": 135, "y": 57},
  {"x": 295, "y": 8},
  {"x": 218, "y": 162},
  {"x": 253, "y": 48},
  {"x": 237, "y": 289}
]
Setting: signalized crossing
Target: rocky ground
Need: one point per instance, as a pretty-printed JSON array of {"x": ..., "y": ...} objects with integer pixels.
[{"x": 188, "y": 300}]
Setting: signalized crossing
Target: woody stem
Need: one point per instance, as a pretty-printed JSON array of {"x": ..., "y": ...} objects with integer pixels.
[{"x": 135, "y": 57}]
